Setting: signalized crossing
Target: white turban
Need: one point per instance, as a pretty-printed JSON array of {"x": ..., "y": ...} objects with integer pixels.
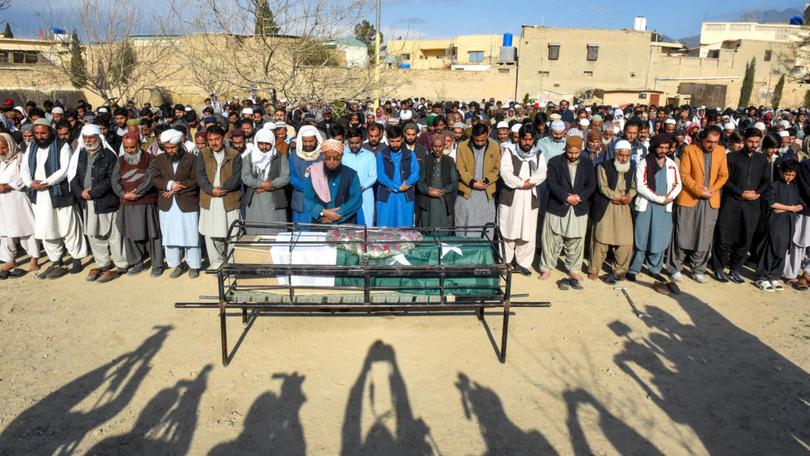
[
  {"x": 261, "y": 160},
  {"x": 91, "y": 130},
  {"x": 558, "y": 126},
  {"x": 406, "y": 114},
  {"x": 308, "y": 131},
  {"x": 57, "y": 110},
  {"x": 87, "y": 130},
  {"x": 623, "y": 145},
  {"x": 729, "y": 126},
  {"x": 171, "y": 136},
  {"x": 265, "y": 135}
]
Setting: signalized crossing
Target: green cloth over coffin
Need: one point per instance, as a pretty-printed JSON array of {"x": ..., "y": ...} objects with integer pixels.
[{"x": 467, "y": 285}]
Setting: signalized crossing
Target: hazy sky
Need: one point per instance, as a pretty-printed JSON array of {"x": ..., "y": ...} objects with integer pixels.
[{"x": 446, "y": 18}]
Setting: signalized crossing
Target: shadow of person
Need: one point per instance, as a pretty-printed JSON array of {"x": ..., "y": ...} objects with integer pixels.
[
  {"x": 736, "y": 393},
  {"x": 501, "y": 435},
  {"x": 624, "y": 438},
  {"x": 407, "y": 436},
  {"x": 273, "y": 423},
  {"x": 58, "y": 423},
  {"x": 165, "y": 426}
]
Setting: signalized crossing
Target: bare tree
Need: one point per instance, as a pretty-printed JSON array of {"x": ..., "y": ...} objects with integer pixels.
[
  {"x": 118, "y": 61},
  {"x": 295, "y": 58},
  {"x": 4, "y": 4}
]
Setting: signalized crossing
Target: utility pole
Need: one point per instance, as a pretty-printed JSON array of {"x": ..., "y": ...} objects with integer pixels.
[{"x": 377, "y": 60}]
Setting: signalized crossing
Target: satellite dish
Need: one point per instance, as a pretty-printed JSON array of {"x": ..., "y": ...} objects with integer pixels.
[{"x": 796, "y": 20}]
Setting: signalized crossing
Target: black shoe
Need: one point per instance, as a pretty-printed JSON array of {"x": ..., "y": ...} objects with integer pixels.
[
  {"x": 55, "y": 272},
  {"x": 4, "y": 275},
  {"x": 522, "y": 270},
  {"x": 674, "y": 288},
  {"x": 609, "y": 279},
  {"x": 76, "y": 266},
  {"x": 137, "y": 269},
  {"x": 156, "y": 272},
  {"x": 193, "y": 273},
  {"x": 720, "y": 276},
  {"x": 658, "y": 277},
  {"x": 178, "y": 271},
  {"x": 736, "y": 277},
  {"x": 631, "y": 277}
]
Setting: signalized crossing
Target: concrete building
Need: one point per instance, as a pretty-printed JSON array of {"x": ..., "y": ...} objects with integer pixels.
[
  {"x": 714, "y": 34},
  {"x": 464, "y": 52}
]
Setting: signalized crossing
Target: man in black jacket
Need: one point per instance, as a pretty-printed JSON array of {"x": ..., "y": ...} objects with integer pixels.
[
  {"x": 90, "y": 182},
  {"x": 571, "y": 181}
]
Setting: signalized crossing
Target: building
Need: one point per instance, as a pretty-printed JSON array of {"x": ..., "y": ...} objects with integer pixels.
[
  {"x": 714, "y": 34},
  {"x": 464, "y": 52}
]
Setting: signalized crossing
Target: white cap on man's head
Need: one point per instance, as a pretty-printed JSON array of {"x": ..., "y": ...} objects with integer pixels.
[
  {"x": 502, "y": 124},
  {"x": 584, "y": 122},
  {"x": 623, "y": 145},
  {"x": 558, "y": 126}
]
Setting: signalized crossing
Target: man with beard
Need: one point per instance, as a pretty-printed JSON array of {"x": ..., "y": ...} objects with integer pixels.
[
  {"x": 119, "y": 128},
  {"x": 437, "y": 187},
  {"x": 658, "y": 183},
  {"x": 632, "y": 134},
  {"x": 397, "y": 174},
  {"x": 611, "y": 216},
  {"x": 502, "y": 133},
  {"x": 411, "y": 132},
  {"x": 90, "y": 176},
  {"x": 44, "y": 171},
  {"x": 594, "y": 146},
  {"x": 16, "y": 214},
  {"x": 740, "y": 208},
  {"x": 553, "y": 145},
  {"x": 137, "y": 218},
  {"x": 571, "y": 182},
  {"x": 523, "y": 169},
  {"x": 374, "y": 143},
  {"x": 176, "y": 180},
  {"x": 478, "y": 161},
  {"x": 265, "y": 174},
  {"x": 364, "y": 163},
  {"x": 333, "y": 192},
  {"x": 238, "y": 141},
  {"x": 63, "y": 134},
  {"x": 219, "y": 175},
  {"x": 307, "y": 153},
  {"x": 704, "y": 171}
]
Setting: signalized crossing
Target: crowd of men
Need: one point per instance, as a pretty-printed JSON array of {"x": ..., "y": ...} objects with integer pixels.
[{"x": 672, "y": 188}]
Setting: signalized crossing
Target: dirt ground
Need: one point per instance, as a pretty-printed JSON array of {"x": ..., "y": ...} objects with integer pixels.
[{"x": 116, "y": 369}]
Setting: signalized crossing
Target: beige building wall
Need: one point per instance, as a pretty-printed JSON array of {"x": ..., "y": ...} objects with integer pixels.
[
  {"x": 437, "y": 54},
  {"x": 713, "y": 34}
]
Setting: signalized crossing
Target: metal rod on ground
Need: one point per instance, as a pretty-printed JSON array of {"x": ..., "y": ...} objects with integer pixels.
[{"x": 632, "y": 304}]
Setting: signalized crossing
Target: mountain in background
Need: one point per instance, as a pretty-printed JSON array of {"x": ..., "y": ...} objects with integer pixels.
[{"x": 754, "y": 15}]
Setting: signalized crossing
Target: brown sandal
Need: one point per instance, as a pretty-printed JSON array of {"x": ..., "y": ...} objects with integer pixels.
[{"x": 801, "y": 284}]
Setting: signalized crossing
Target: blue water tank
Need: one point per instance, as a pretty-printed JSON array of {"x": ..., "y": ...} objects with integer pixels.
[
  {"x": 796, "y": 20},
  {"x": 405, "y": 66},
  {"x": 507, "y": 39}
]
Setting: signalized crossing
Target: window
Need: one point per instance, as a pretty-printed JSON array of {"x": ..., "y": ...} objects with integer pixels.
[
  {"x": 475, "y": 56},
  {"x": 768, "y": 55},
  {"x": 3, "y": 56},
  {"x": 19, "y": 57},
  {"x": 544, "y": 74},
  {"x": 405, "y": 56},
  {"x": 715, "y": 27},
  {"x": 554, "y": 51},
  {"x": 503, "y": 70},
  {"x": 593, "y": 52},
  {"x": 588, "y": 74},
  {"x": 30, "y": 57},
  {"x": 740, "y": 27}
]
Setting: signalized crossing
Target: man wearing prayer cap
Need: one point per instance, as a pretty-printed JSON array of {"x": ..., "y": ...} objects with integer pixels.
[
  {"x": 333, "y": 194},
  {"x": 219, "y": 175},
  {"x": 56, "y": 223},
  {"x": 265, "y": 174},
  {"x": 571, "y": 182},
  {"x": 179, "y": 203},
  {"x": 91, "y": 183},
  {"x": 307, "y": 152},
  {"x": 502, "y": 132},
  {"x": 632, "y": 134}
]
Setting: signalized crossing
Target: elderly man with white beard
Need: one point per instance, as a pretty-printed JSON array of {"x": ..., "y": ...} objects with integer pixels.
[
  {"x": 611, "y": 214},
  {"x": 523, "y": 169},
  {"x": 16, "y": 214},
  {"x": 56, "y": 223},
  {"x": 90, "y": 175}
]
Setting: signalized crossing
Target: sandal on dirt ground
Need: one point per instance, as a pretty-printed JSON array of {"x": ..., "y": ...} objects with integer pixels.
[
  {"x": 563, "y": 284},
  {"x": 764, "y": 285},
  {"x": 800, "y": 284},
  {"x": 574, "y": 284}
]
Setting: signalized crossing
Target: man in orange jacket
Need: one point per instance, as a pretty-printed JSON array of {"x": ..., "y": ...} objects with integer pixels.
[{"x": 704, "y": 171}]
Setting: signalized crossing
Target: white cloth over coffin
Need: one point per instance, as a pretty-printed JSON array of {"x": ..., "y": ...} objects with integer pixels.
[{"x": 303, "y": 254}]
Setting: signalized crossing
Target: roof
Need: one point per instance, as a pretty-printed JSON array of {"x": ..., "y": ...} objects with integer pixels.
[{"x": 350, "y": 41}]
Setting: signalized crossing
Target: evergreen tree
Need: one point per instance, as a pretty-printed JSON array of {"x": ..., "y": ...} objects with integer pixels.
[
  {"x": 77, "y": 68},
  {"x": 806, "y": 102},
  {"x": 125, "y": 61},
  {"x": 777, "y": 92},
  {"x": 265, "y": 23},
  {"x": 366, "y": 33},
  {"x": 7, "y": 33},
  {"x": 748, "y": 83}
]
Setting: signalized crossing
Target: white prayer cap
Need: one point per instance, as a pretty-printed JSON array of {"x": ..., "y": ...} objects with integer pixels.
[
  {"x": 729, "y": 126},
  {"x": 784, "y": 134},
  {"x": 247, "y": 111},
  {"x": 102, "y": 110},
  {"x": 618, "y": 113},
  {"x": 406, "y": 114},
  {"x": 622, "y": 145},
  {"x": 265, "y": 136},
  {"x": 188, "y": 108},
  {"x": 459, "y": 125},
  {"x": 670, "y": 121},
  {"x": 91, "y": 130},
  {"x": 171, "y": 136},
  {"x": 269, "y": 126},
  {"x": 516, "y": 127},
  {"x": 308, "y": 131},
  {"x": 584, "y": 122},
  {"x": 587, "y": 109},
  {"x": 280, "y": 125},
  {"x": 558, "y": 126},
  {"x": 502, "y": 124},
  {"x": 615, "y": 130},
  {"x": 760, "y": 126},
  {"x": 57, "y": 110},
  {"x": 785, "y": 124}
]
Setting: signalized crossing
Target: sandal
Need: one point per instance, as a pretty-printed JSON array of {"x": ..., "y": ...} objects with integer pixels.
[
  {"x": 800, "y": 284},
  {"x": 17, "y": 273},
  {"x": 563, "y": 284},
  {"x": 764, "y": 285},
  {"x": 575, "y": 284}
]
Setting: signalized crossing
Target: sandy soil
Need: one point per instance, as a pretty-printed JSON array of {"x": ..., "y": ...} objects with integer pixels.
[{"x": 116, "y": 369}]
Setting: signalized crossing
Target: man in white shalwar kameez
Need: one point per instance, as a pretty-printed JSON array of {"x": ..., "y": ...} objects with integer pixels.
[
  {"x": 16, "y": 213},
  {"x": 523, "y": 169},
  {"x": 56, "y": 222}
]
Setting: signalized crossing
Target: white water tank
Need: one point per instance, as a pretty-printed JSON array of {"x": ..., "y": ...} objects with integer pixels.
[{"x": 640, "y": 24}]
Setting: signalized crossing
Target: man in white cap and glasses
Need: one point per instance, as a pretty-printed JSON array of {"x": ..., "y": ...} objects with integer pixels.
[
  {"x": 56, "y": 223},
  {"x": 90, "y": 176},
  {"x": 179, "y": 204}
]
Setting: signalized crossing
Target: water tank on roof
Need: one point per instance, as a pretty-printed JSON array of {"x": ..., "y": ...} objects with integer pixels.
[
  {"x": 796, "y": 20},
  {"x": 640, "y": 24},
  {"x": 507, "y": 39}
]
